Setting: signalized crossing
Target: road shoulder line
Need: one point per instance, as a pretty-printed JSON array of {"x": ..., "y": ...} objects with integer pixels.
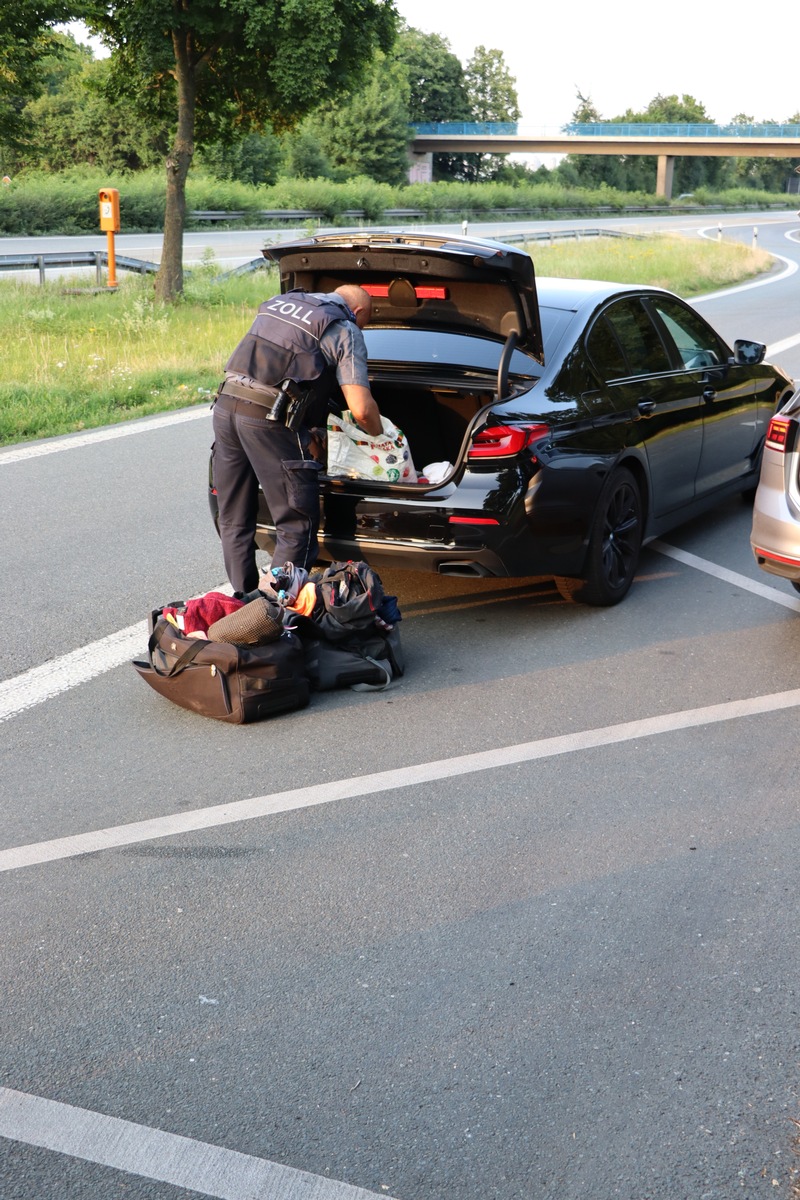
[
  {"x": 154, "y": 1154},
  {"x": 314, "y": 795}
]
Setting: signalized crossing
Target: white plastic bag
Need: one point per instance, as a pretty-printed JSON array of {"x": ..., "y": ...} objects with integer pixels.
[{"x": 359, "y": 455}]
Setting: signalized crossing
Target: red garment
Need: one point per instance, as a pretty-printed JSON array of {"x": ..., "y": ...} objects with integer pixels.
[{"x": 198, "y": 614}]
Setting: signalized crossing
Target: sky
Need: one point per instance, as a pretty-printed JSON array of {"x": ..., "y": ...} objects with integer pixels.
[{"x": 623, "y": 53}]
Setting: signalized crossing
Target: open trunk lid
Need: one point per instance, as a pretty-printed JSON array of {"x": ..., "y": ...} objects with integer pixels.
[{"x": 424, "y": 281}]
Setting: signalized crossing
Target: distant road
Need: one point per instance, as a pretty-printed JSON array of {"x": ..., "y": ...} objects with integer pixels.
[{"x": 233, "y": 247}]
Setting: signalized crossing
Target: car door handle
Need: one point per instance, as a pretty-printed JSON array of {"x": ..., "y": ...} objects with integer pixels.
[
  {"x": 709, "y": 394},
  {"x": 646, "y": 407}
]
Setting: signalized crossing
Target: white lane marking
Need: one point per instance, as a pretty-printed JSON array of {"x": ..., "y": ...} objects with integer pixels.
[
  {"x": 41, "y": 683},
  {"x": 789, "y": 269},
  {"x": 79, "y": 666},
  {"x": 51, "y": 678},
  {"x": 165, "y": 1157},
  {"x": 741, "y": 581},
  {"x": 383, "y": 781},
  {"x": 786, "y": 344},
  {"x": 108, "y": 433}
]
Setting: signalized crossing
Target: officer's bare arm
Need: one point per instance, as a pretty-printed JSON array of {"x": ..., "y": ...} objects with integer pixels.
[{"x": 362, "y": 405}]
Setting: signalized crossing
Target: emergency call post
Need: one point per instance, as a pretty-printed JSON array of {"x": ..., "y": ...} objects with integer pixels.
[{"x": 109, "y": 221}]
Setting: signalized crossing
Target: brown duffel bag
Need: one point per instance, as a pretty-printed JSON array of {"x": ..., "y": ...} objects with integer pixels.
[{"x": 233, "y": 683}]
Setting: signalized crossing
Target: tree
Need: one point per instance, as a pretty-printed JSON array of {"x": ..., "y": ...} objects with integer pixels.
[
  {"x": 26, "y": 41},
  {"x": 255, "y": 158},
  {"x": 589, "y": 170},
  {"x": 304, "y": 158},
  {"x": 218, "y": 71},
  {"x": 436, "y": 88},
  {"x": 586, "y": 111},
  {"x": 368, "y": 135},
  {"x": 437, "y": 91},
  {"x": 690, "y": 173},
  {"x": 73, "y": 122},
  {"x": 493, "y": 97},
  {"x": 490, "y": 86}
]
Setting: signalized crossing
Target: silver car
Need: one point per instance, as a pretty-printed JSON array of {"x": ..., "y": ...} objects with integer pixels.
[{"x": 775, "y": 536}]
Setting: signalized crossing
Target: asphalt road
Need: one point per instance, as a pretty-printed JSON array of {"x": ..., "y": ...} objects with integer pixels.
[{"x": 549, "y": 952}]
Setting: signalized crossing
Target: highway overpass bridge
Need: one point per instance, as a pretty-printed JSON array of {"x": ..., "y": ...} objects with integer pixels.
[{"x": 666, "y": 142}]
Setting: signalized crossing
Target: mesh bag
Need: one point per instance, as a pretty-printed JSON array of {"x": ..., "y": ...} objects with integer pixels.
[{"x": 251, "y": 625}]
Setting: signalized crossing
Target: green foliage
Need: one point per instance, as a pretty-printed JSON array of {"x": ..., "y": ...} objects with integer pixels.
[
  {"x": 76, "y": 123},
  {"x": 493, "y": 97},
  {"x": 27, "y": 46},
  {"x": 437, "y": 89},
  {"x": 255, "y": 158},
  {"x": 250, "y": 63},
  {"x": 303, "y": 156},
  {"x": 491, "y": 88},
  {"x": 368, "y": 135},
  {"x": 66, "y": 203}
]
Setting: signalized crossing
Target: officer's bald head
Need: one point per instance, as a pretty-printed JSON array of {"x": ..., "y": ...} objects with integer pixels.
[{"x": 359, "y": 301}]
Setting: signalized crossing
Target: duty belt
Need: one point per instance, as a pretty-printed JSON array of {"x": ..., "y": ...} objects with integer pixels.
[{"x": 263, "y": 397}]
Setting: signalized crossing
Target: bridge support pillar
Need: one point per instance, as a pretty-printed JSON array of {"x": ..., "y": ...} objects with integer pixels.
[
  {"x": 666, "y": 168},
  {"x": 420, "y": 168}
]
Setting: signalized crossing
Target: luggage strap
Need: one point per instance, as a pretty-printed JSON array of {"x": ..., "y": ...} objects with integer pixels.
[
  {"x": 374, "y": 687},
  {"x": 181, "y": 663}
]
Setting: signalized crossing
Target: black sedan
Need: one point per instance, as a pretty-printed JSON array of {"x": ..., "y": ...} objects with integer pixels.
[{"x": 569, "y": 421}]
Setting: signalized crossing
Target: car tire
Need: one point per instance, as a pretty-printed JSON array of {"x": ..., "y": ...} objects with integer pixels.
[
  {"x": 795, "y": 584},
  {"x": 615, "y": 543}
]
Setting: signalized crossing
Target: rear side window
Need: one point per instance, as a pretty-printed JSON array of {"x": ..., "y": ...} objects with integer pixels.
[
  {"x": 605, "y": 351},
  {"x": 696, "y": 343},
  {"x": 638, "y": 338}
]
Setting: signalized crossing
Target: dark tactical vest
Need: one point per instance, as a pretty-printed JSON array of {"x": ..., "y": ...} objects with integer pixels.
[{"x": 283, "y": 343}]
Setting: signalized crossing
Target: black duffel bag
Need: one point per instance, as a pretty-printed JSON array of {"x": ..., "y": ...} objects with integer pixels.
[
  {"x": 234, "y": 683},
  {"x": 366, "y": 662}
]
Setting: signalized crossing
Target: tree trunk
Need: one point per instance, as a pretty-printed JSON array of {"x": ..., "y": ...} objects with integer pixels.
[{"x": 169, "y": 280}]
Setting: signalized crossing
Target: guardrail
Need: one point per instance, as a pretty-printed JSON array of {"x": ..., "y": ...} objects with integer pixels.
[
  {"x": 297, "y": 214},
  {"x": 76, "y": 258}
]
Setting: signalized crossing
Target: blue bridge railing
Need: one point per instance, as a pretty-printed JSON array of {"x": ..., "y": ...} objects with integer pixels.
[
  {"x": 640, "y": 129},
  {"x": 605, "y": 129},
  {"x": 475, "y": 128}
]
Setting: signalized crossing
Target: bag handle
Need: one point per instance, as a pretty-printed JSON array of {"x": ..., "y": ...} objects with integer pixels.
[{"x": 182, "y": 662}]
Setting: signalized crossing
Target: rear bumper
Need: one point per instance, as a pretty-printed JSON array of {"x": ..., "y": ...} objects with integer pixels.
[
  {"x": 502, "y": 556},
  {"x": 775, "y": 536},
  {"x": 492, "y": 524}
]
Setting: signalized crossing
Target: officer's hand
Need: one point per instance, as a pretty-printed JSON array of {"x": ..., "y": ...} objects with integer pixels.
[{"x": 318, "y": 445}]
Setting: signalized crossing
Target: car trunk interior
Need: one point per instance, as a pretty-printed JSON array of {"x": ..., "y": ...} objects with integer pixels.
[{"x": 433, "y": 419}]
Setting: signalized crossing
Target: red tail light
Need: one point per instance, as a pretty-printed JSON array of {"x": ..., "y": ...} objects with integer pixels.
[
  {"x": 501, "y": 441},
  {"x": 422, "y": 291},
  {"x": 777, "y": 434}
]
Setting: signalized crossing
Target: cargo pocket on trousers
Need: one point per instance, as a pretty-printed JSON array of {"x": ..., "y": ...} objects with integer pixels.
[{"x": 302, "y": 485}]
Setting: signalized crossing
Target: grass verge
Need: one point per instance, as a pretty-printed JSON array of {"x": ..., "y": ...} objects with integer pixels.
[{"x": 78, "y": 360}]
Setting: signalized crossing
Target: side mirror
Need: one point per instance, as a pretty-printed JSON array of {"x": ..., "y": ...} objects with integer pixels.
[{"x": 748, "y": 354}]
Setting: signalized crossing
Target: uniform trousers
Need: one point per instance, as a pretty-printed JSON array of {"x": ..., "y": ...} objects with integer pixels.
[{"x": 250, "y": 450}]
